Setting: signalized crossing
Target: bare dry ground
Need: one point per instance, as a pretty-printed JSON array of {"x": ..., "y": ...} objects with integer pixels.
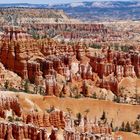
[
  {"x": 131, "y": 86},
  {"x": 117, "y": 112},
  {"x": 128, "y": 136}
]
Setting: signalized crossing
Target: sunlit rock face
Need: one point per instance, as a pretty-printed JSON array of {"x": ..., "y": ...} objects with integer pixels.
[
  {"x": 55, "y": 118},
  {"x": 21, "y": 131},
  {"x": 9, "y": 103},
  {"x": 74, "y": 31},
  {"x": 42, "y": 60},
  {"x": 69, "y": 64},
  {"x": 16, "y": 49},
  {"x": 86, "y": 130},
  {"x": 15, "y": 33},
  {"x": 51, "y": 85},
  {"x": 135, "y": 60}
]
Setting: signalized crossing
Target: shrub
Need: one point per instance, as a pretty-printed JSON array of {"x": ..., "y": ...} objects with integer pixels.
[
  {"x": 10, "y": 119},
  {"x": 103, "y": 117},
  {"x": 26, "y": 86},
  {"x": 35, "y": 109},
  {"x": 77, "y": 96},
  {"x": 116, "y": 99},
  {"x": 128, "y": 127},
  {"x": 96, "y": 46},
  {"x": 51, "y": 109},
  {"x": 94, "y": 96},
  {"x": 6, "y": 84},
  {"x": 122, "y": 127},
  {"x": 18, "y": 119}
]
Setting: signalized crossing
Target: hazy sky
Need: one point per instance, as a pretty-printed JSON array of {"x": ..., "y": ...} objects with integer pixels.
[
  {"x": 40, "y": 1},
  {"x": 46, "y": 1}
]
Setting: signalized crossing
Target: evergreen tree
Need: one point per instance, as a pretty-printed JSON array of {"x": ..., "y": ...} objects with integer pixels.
[
  {"x": 117, "y": 99},
  {"x": 137, "y": 125},
  {"x": 103, "y": 117},
  {"x": 41, "y": 90},
  {"x": 26, "y": 86},
  {"x": 111, "y": 125},
  {"x": 36, "y": 89},
  {"x": 79, "y": 117},
  {"x": 6, "y": 84},
  {"x": 94, "y": 95},
  {"x": 128, "y": 127},
  {"x": 122, "y": 127}
]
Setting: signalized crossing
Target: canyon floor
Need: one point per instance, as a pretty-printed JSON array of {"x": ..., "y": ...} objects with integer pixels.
[
  {"x": 116, "y": 112},
  {"x": 58, "y": 74}
]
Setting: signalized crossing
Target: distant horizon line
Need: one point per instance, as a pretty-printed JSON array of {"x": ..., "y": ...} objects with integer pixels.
[{"x": 71, "y": 2}]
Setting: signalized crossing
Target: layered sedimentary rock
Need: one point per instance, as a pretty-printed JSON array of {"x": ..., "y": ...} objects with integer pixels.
[
  {"x": 42, "y": 60},
  {"x": 9, "y": 103},
  {"x": 14, "y": 33},
  {"x": 15, "y": 51},
  {"x": 109, "y": 84},
  {"x": 53, "y": 135},
  {"x": 20, "y": 131},
  {"x": 55, "y": 119},
  {"x": 75, "y": 31},
  {"x": 113, "y": 62},
  {"x": 86, "y": 71},
  {"x": 51, "y": 85},
  {"x": 86, "y": 130},
  {"x": 8, "y": 77},
  {"x": 34, "y": 73},
  {"x": 70, "y": 135},
  {"x": 135, "y": 59}
]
